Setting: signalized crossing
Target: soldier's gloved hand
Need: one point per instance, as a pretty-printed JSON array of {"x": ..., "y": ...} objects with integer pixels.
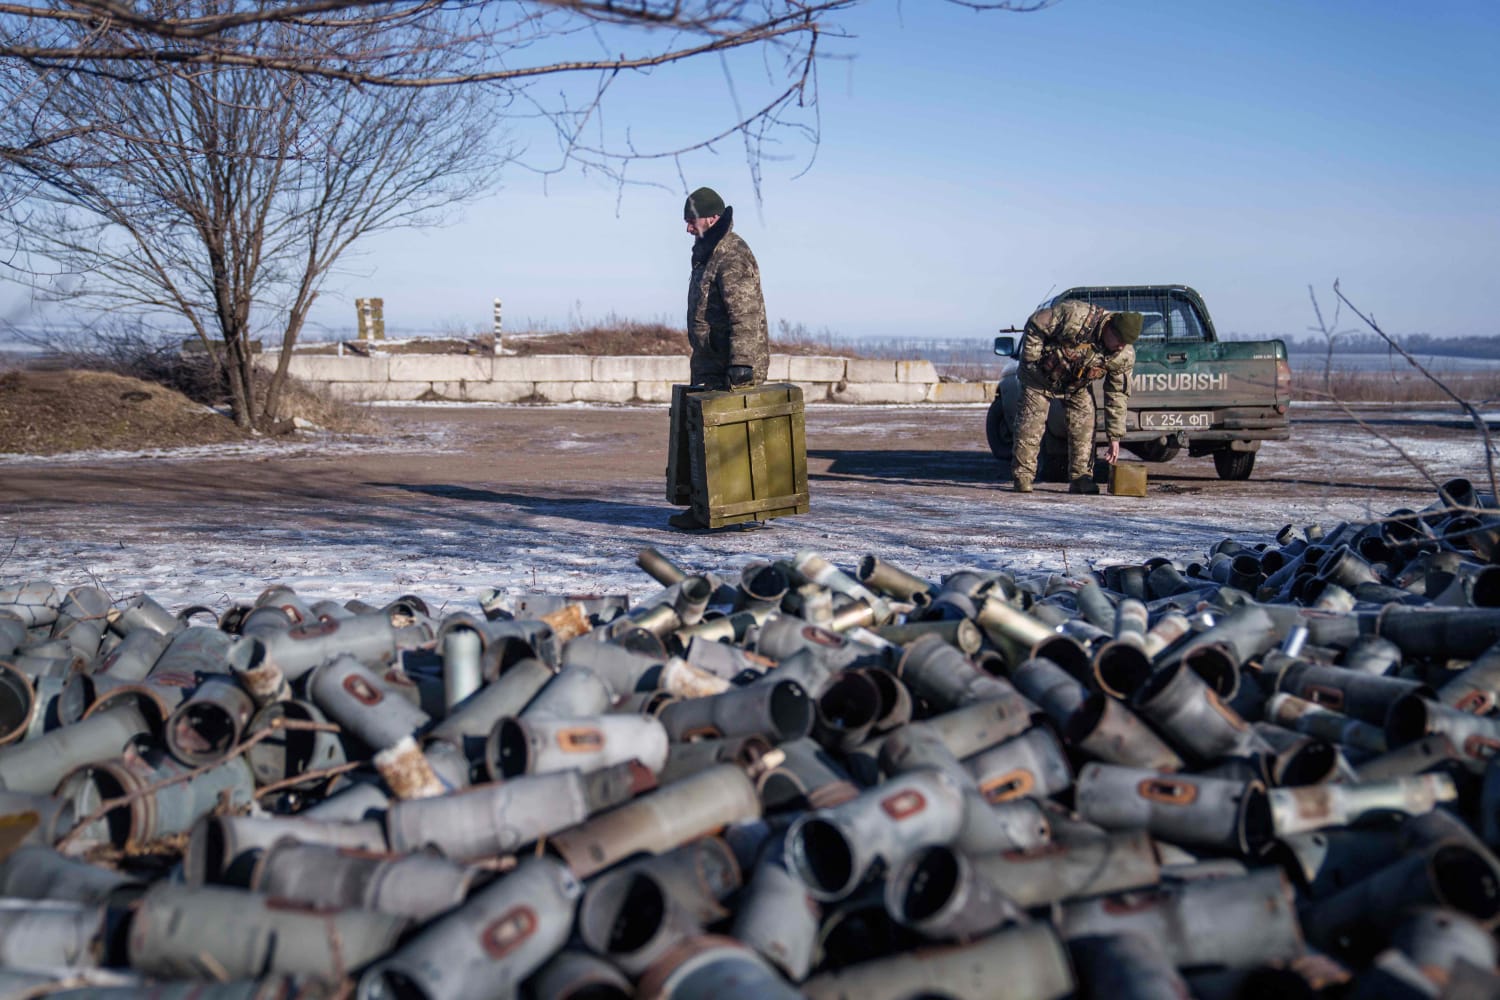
[{"x": 740, "y": 374}]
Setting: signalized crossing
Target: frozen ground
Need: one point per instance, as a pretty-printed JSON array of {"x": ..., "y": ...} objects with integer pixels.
[{"x": 459, "y": 500}]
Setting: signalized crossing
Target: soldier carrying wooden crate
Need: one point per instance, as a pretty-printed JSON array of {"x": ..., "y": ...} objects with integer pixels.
[{"x": 731, "y": 468}]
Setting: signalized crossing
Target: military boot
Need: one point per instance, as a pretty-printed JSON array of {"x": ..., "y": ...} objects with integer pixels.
[
  {"x": 1021, "y": 485},
  {"x": 1084, "y": 485},
  {"x": 687, "y": 520}
]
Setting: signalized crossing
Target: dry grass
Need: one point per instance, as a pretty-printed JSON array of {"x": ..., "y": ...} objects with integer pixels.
[{"x": 1482, "y": 388}]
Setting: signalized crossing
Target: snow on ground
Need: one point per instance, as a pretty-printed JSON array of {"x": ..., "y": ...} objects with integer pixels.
[{"x": 449, "y": 545}]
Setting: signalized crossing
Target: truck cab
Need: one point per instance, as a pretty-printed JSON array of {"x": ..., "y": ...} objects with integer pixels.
[{"x": 1188, "y": 389}]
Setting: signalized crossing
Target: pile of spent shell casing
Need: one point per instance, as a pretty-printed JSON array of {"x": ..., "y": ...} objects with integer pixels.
[{"x": 1269, "y": 771}]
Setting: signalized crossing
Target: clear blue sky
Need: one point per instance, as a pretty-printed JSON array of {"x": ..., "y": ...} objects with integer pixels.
[{"x": 970, "y": 163}]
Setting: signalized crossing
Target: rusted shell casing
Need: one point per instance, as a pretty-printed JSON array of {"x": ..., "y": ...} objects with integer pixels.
[
  {"x": 1315, "y": 720},
  {"x": 820, "y": 571},
  {"x": 1182, "y": 808},
  {"x": 1029, "y": 960},
  {"x": 661, "y": 820},
  {"x": 469, "y": 722},
  {"x": 1328, "y": 861},
  {"x": 891, "y": 580},
  {"x": 1017, "y": 825},
  {"x": 807, "y": 777},
  {"x": 132, "y": 657},
  {"x": 1315, "y": 807},
  {"x": 620, "y": 668},
  {"x": 579, "y": 975},
  {"x": 82, "y": 619},
  {"x": 541, "y": 745},
  {"x": 1055, "y": 691},
  {"x": 849, "y": 706},
  {"x": 141, "y": 612},
  {"x": 419, "y": 885},
  {"x": 486, "y": 947},
  {"x": 833, "y": 849},
  {"x": 1360, "y": 696},
  {"x": 1475, "y": 738},
  {"x": 36, "y": 871},
  {"x": 249, "y": 935},
  {"x": 778, "y": 918},
  {"x": 371, "y": 639},
  {"x": 945, "y": 677}
]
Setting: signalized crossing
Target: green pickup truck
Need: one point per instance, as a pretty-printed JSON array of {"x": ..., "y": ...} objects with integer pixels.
[{"x": 1189, "y": 389}]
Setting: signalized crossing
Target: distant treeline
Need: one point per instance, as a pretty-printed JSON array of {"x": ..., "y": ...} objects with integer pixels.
[{"x": 1369, "y": 343}]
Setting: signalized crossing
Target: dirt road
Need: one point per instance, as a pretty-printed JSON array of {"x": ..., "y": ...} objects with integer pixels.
[{"x": 456, "y": 499}]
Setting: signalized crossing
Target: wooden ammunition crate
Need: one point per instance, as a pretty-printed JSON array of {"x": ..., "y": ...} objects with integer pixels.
[
  {"x": 738, "y": 455},
  {"x": 1128, "y": 479}
]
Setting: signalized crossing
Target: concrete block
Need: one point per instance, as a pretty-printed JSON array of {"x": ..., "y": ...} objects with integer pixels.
[
  {"x": 645, "y": 368},
  {"x": 327, "y": 368},
  {"x": 654, "y": 392},
  {"x": 400, "y": 391},
  {"x": 544, "y": 368},
  {"x": 915, "y": 371},
  {"x": 779, "y": 369},
  {"x": 870, "y": 371},
  {"x": 440, "y": 368},
  {"x": 961, "y": 392},
  {"x": 603, "y": 392},
  {"x": 554, "y": 392},
  {"x": 878, "y": 392},
  {"x": 352, "y": 392},
  {"x": 814, "y": 392},
  {"x": 484, "y": 392},
  {"x": 816, "y": 369}
]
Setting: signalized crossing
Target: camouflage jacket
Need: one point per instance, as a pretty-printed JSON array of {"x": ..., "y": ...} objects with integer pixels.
[
  {"x": 1061, "y": 352},
  {"x": 726, "y": 315}
]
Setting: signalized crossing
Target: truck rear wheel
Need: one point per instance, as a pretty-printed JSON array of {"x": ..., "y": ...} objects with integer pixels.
[
  {"x": 1234, "y": 464},
  {"x": 1002, "y": 444}
]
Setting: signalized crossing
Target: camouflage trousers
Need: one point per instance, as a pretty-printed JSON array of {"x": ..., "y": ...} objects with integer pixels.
[
  {"x": 1031, "y": 426},
  {"x": 711, "y": 373}
]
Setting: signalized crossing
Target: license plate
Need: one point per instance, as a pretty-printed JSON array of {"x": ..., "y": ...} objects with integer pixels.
[{"x": 1165, "y": 421}]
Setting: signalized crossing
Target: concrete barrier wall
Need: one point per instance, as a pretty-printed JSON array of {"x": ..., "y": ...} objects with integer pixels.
[{"x": 568, "y": 378}]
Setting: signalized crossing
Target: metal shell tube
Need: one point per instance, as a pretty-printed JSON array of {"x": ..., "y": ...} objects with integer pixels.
[
  {"x": 577, "y": 975},
  {"x": 471, "y": 720},
  {"x": 806, "y": 778},
  {"x": 1185, "y": 809},
  {"x": 659, "y": 567},
  {"x": 1031, "y": 765},
  {"x": 35, "y": 871},
  {"x": 486, "y": 947},
  {"x": 358, "y": 699},
  {"x": 778, "y": 918},
  {"x": 37, "y": 765},
  {"x": 891, "y": 580},
  {"x": 371, "y": 639},
  {"x": 170, "y": 808},
  {"x": 35, "y": 602},
  {"x": 1182, "y": 707},
  {"x": 46, "y": 935},
  {"x": 224, "y": 849},
  {"x": 210, "y": 723},
  {"x": 1456, "y": 633},
  {"x": 1476, "y": 738},
  {"x": 848, "y": 708},
  {"x": 133, "y": 657},
  {"x": 945, "y": 677},
  {"x": 1477, "y": 688},
  {"x": 1059, "y": 871},
  {"x": 895, "y": 700},
  {"x": 82, "y": 619},
  {"x": 777, "y": 710},
  {"x": 629, "y": 917},
  {"x": 1055, "y": 691},
  {"x": 1361, "y": 696},
  {"x": 1437, "y": 940},
  {"x": 250, "y": 935},
  {"x": 1017, "y": 825},
  {"x": 1029, "y": 960},
  {"x": 619, "y": 667},
  {"x": 1315, "y": 720},
  {"x": 575, "y": 692},
  {"x": 1356, "y": 920},
  {"x": 1302, "y": 810},
  {"x": 18, "y": 704},
  {"x": 1120, "y": 668},
  {"x": 487, "y": 820},
  {"x": 666, "y": 818},
  {"x": 290, "y": 753},
  {"x": 1104, "y": 728},
  {"x": 518, "y": 746},
  {"x": 419, "y": 885},
  {"x": 834, "y": 849},
  {"x": 1203, "y": 921},
  {"x": 939, "y": 893},
  {"x": 820, "y": 571},
  {"x": 462, "y": 664},
  {"x": 1126, "y": 967},
  {"x": 141, "y": 612},
  {"x": 709, "y": 967}
]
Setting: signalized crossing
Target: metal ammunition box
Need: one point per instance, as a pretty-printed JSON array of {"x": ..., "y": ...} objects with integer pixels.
[
  {"x": 1128, "y": 479},
  {"x": 738, "y": 455}
]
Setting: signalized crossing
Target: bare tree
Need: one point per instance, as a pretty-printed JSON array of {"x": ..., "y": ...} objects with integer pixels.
[{"x": 209, "y": 194}]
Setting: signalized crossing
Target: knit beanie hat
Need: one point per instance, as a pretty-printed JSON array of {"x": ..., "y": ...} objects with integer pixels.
[
  {"x": 1127, "y": 325},
  {"x": 703, "y": 203}
]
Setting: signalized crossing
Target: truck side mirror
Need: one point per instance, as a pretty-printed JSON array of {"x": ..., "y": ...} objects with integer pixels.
[{"x": 1005, "y": 346}]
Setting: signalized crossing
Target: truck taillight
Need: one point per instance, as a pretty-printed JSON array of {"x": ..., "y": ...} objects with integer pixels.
[{"x": 1283, "y": 384}]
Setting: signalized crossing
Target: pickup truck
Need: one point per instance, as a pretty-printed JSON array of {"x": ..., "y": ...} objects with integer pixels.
[{"x": 1188, "y": 390}]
